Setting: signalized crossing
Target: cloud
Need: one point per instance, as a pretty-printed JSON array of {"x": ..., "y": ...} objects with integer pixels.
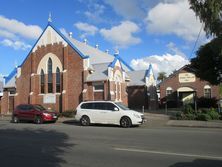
[
  {"x": 63, "y": 31},
  {"x": 86, "y": 28},
  {"x": 122, "y": 35},
  {"x": 173, "y": 17},
  {"x": 131, "y": 9},
  {"x": 17, "y": 45},
  {"x": 94, "y": 12},
  {"x": 12, "y": 26},
  {"x": 172, "y": 47},
  {"x": 6, "y": 34},
  {"x": 165, "y": 63}
]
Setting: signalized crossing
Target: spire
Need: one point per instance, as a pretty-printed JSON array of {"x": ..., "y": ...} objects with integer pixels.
[{"x": 50, "y": 17}]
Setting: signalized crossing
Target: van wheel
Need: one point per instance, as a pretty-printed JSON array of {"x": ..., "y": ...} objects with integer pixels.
[
  {"x": 125, "y": 122},
  {"x": 38, "y": 120},
  {"x": 85, "y": 121},
  {"x": 15, "y": 119}
]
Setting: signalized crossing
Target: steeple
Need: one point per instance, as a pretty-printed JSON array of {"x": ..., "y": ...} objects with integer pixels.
[{"x": 149, "y": 76}]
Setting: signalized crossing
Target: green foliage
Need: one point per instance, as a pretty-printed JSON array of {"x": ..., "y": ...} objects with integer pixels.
[
  {"x": 188, "y": 109},
  {"x": 203, "y": 114},
  {"x": 203, "y": 117},
  {"x": 208, "y": 63},
  {"x": 209, "y": 12},
  {"x": 161, "y": 76},
  {"x": 214, "y": 114},
  {"x": 203, "y": 102}
]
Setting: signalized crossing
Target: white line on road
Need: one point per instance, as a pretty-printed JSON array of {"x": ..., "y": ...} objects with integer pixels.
[{"x": 168, "y": 153}]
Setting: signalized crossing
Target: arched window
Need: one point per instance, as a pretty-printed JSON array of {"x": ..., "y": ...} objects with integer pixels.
[
  {"x": 169, "y": 91},
  {"x": 207, "y": 91},
  {"x": 42, "y": 81},
  {"x": 50, "y": 85},
  {"x": 58, "y": 80}
]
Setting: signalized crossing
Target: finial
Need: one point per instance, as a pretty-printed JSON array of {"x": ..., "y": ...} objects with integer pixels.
[
  {"x": 116, "y": 51},
  {"x": 50, "y": 17}
]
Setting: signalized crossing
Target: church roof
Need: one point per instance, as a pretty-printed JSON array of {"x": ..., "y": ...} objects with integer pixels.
[
  {"x": 10, "y": 79},
  {"x": 100, "y": 72},
  {"x": 137, "y": 78},
  {"x": 85, "y": 51}
]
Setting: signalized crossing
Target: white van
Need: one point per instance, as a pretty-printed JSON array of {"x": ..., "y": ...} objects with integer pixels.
[{"x": 107, "y": 112}]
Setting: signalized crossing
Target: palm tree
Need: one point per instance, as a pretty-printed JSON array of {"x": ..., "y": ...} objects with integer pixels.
[{"x": 161, "y": 76}]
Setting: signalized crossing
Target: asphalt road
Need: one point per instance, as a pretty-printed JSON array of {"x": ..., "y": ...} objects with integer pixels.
[{"x": 67, "y": 144}]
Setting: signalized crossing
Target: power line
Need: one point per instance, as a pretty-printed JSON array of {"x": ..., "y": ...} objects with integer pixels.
[{"x": 196, "y": 41}]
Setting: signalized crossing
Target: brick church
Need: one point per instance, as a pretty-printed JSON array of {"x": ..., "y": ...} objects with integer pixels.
[{"x": 60, "y": 72}]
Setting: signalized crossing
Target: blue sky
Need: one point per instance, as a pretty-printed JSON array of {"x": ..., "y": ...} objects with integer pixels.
[{"x": 161, "y": 32}]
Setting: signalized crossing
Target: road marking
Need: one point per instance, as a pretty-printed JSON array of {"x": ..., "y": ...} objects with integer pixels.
[{"x": 168, "y": 153}]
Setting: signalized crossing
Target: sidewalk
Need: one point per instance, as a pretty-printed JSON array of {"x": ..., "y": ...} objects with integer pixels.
[{"x": 153, "y": 120}]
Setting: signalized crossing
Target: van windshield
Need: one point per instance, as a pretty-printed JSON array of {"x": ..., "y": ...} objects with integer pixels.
[{"x": 122, "y": 106}]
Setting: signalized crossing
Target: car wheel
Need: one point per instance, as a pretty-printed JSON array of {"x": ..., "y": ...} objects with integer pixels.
[
  {"x": 125, "y": 122},
  {"x": 38, "y": 120},
  {"x": 15, "y": 119},
  {"x": 85, "y": 121}
]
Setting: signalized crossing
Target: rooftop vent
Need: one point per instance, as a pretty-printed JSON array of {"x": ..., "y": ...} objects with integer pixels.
[
  {"x": 85, "y": 41},
  {"x": 70, "y": 34},
  {"x": 97, "y": 46}
]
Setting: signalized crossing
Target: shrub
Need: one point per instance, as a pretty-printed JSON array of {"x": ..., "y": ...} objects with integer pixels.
[
  {"x": 206, "y": 102},
  {"x": 188, "y": 109},
  {"x": 214, "y": 114},
  {"x": 190, "y": 116},
  {"x": 203, "y": 117}
]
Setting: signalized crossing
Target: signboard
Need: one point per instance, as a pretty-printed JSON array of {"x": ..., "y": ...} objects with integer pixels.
[
  {"x": 186, "y": 77},
  {"x": 49, "y": 99}
]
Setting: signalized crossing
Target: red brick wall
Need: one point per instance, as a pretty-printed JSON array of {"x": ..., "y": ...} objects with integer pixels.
[
  {"x": 7, "y": 103},
  {"x": 198, "y": 86},
  {"x": 71, "y": 79}
]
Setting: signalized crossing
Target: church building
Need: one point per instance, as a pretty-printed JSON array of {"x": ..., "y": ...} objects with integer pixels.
[{"x": 60, "y": 72}]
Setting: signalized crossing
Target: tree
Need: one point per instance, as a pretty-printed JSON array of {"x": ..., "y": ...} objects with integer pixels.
[
  {"x": 210, "y": 13},
  {"x": 208, "y": 63},
  {"x": 161, "y": 76}
]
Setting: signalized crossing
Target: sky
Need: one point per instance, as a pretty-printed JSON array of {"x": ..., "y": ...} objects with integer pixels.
[{"x": 160, "y": 32}]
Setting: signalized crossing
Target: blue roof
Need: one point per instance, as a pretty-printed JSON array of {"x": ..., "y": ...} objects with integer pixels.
[
  {"x": 149, "y": 70},
  {"x": 117, "y": 57},
  {"x": 12, "y": 74},
  {"x": 74, "y": 47}
]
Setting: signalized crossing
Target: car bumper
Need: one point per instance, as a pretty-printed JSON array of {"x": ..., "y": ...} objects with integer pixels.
[{"x": 50, "y": 118}]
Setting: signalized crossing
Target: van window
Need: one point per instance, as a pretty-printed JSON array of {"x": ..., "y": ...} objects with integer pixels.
[{"x": 87, "y": 106}]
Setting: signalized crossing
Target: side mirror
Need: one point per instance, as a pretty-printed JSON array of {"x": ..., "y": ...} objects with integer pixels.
[{"x": 115, "y": 109}]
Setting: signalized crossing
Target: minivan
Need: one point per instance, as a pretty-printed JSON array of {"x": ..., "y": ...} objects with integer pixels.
[
  {"x": 33, "y": 112},
  {"x": 107, "y": 112}
]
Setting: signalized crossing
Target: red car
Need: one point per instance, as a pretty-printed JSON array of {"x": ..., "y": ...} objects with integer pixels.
[{"x": 36, "y": 113}]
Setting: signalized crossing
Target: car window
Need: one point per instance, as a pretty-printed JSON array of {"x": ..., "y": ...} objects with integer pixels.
[
  {"x": 99, "y": 106},
  {"x": 87, "y": 106},
  {"x": 122, "y": 106},
  {"x": 109, "y": 106}
]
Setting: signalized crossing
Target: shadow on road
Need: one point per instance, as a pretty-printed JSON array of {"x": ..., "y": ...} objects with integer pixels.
[
  {"x": 75, "y": 123},
  {"x": 32, "y": 148},
  {"x": 199, "y": 163}
]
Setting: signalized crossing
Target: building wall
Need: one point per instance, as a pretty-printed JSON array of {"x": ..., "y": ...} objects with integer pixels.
[
  {"x": 197, "y": 86},
  {"x": 28, "y": 83},
  {"x": 7, "y": 103},
  {"x": 137, "y": 97}
]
